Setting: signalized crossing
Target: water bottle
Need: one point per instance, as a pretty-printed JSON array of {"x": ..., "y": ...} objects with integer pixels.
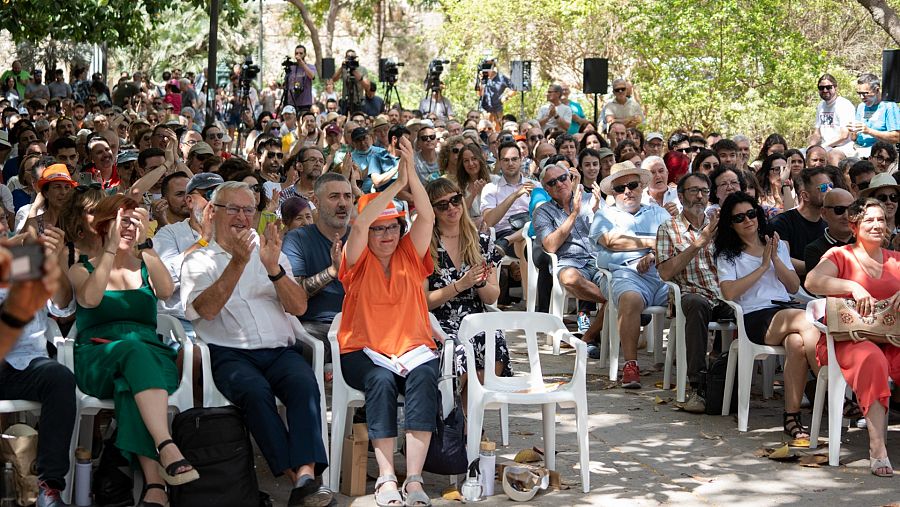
[
  {"x": 82, "y": 477},
  {"x": 486, "y": 463},
  {"x": 9, "y": 486}
]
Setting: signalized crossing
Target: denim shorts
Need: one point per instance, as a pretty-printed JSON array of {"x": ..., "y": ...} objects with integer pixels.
[
  {"x": 652, "y": 290},
  {"x": 589, "y": 271}
]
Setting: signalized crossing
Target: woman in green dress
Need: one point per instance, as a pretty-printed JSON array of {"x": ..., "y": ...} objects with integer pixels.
[{"x": 118, "y": 354}]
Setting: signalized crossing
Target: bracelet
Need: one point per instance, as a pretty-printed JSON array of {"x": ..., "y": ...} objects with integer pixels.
[
  {"x": 279, "y": 276},
  {"x": 456, "y": 288},
  {"x": 12, "y": 321},
  {"x": 111, "y": 253}
]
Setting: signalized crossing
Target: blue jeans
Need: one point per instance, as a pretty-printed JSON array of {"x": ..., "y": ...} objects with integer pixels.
[
  {"x": 382, "y": 387},
  {"x": 251, "y": 379}
]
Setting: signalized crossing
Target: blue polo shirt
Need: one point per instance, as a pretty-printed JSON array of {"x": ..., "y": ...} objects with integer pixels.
[
  {"x": 885, "y": 117},
  {"x": 643, "y": 223},
  {"x": 309, "y": 252},
  {"x": 377, "y": 161}
]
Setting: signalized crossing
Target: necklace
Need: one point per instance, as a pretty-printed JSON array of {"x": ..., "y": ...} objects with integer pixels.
[{"x": 449, "y": 237}]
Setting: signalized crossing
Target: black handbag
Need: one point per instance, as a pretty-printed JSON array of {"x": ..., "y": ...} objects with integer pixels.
[
  {"x": 447, "y": 451},
  {"x": 519, "y": 220},
  {"x": 113, "y": 483}
]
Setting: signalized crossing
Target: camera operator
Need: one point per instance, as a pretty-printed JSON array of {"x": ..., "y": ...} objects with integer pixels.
[
  {"x": 298, "y": 81},
  {"x": 437, "y": 104},
  {"x": 352, "y": 73},
  {"x": 372, "y": 104},
  {"x": 492, "y": 87}
]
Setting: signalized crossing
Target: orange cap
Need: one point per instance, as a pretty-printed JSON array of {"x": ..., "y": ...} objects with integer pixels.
[
  {"x": 55, "y": 172},
  {"x": 392, "y": 210}
]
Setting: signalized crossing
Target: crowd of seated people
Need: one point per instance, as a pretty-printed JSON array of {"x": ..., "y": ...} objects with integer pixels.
[{"x": 330, "y": 214}]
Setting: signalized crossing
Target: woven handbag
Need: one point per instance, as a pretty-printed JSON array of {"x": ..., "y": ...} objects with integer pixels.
[{"x": 845, "y": 323}]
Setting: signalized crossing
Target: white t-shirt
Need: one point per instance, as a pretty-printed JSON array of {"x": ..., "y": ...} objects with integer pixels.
[
  {"x": 831, "y": 118},
  {"x": 564, "y": 112},
  {"x": 767, "y": 289},
  {"x": 622, "y": 111}
]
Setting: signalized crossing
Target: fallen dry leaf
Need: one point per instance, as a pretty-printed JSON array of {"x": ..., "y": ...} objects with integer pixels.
[
  {"x": 813, "y": 460},
  {"x": 659, "y": 401},
  {"x": 782, "y": 454},
  {"x": 451, "y": 493},
  {"x": 710, "y": 437},
  {"x": 527, "y": 456},
  {"x": 799, "y": 442}
]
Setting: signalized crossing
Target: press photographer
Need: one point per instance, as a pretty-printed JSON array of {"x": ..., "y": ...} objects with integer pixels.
[
  {"x": 355, "y": 83},
  {"x": 492, "y": 87},
  {"x": 298, "y": 81},
  {"x": 434, "y": 102}
]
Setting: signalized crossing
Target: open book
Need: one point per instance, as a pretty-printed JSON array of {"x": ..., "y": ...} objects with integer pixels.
[{"x": 404, "y": 364}]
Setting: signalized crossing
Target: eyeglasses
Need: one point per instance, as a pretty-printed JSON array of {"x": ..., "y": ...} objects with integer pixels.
[
  {"x": 427, "y": 138},
  {"x": 381, "y": 230},
  {"x": 85, "y": 188},
  {"x": 514, "y": 160},
  {"x": 690, "y": 149},
  {"x": 733, "y": 183},
  {"x": 276, "y": 154},
  {"x": 618, "y": 90},
  {"x": 191, "y": 142},
  {"x": 444, "y": 205},
  {"x": 620, "y": 189},
  {"x": 215, "y": 135},
  {"x": 456, "y": 150},
  {"x": 539, "y": 137},
  {"x": 318, "y": 161},
  {"x": 234, "y": 210},
  {"x": 863, "y": 95},
  {"x": 562, "y": 178},
  {"x": 695, "y": 190},
  {"x": 886, "y": 197},
  {"x": 256, "y": 188},
  {"x": 823, "y": 88},
  {"x": 838, "y": 210},
  {"x": 876, "y": 158},
  {"x": 825, "y": 187},
  {"x": 740, "y": 217}
]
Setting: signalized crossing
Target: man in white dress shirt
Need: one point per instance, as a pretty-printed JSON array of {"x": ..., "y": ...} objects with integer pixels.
[{"x": 238, "y": 291}]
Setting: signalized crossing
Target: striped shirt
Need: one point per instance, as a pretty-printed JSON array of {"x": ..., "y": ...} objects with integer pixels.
[{"x": 700, "y": 276}]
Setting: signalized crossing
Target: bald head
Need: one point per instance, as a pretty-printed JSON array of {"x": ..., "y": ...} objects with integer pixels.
[{"x": 838, "y": 197}]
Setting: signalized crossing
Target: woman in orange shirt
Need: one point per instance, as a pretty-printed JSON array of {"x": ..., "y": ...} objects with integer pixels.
[
  {"x": 384, "y": 311},
  {"x": 866, "y": 272}
]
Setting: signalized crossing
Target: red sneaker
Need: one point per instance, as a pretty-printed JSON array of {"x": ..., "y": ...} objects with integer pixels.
[{"x": 631, "y": 376}]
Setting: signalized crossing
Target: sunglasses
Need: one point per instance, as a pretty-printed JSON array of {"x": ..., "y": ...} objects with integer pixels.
[
  {"x": 620, "y": 189},
  {"x": 536, "y": 138},
  {"x": 444, "y": 205},
  {"x": 886, "y": 197},
  {"x": 862, "y": 185},
  {"x": 823, "y": 88},
  {"x": 456, "y": 150},
  {"x": 618, "y": 90},
  {"x": 825, "y": 187},
  {"x": 277, "y": 154},
  {"x": 562, "y": 178},
  {"x": 740, "y": 217},
  {"x": 691, "y": 149},
  {"x": 215, "y": 135},
  {"x": 85, "y": 188},
  {"x": 428, "y": 138},
  {"x": 838, "y": 210},
  {"x": 256, "y": 188}
]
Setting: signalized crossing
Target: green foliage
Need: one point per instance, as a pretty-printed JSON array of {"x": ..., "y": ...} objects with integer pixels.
[
  {"x": 115, "y": 22},
  {"x": 724, "y": 65}
]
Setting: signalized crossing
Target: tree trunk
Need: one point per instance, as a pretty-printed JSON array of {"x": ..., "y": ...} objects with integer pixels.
[
  {"x": 311, "y": 27},
  {"x": 379, "y": 27},
  {"x": 884, "y": 16},
  {"x": 333, "y": 8}
]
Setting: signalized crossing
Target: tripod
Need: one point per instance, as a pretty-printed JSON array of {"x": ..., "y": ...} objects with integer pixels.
[
  {"x": 350, "y": 100},
  {"x": 243, "y": 129},
  {"x": 391, "y": 88}
]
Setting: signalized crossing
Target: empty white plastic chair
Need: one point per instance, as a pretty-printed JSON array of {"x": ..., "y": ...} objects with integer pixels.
[
  {"x": 742, "y": 355},
  {"x": 526, "y": 389},
  {"x": 531, "y": 293}
]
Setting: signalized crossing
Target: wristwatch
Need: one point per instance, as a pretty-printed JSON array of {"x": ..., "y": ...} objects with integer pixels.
[
  {"x": 12, "y": 321},
  {"x": 280, "y": 274},
  {"x": 145, "y": 245}
]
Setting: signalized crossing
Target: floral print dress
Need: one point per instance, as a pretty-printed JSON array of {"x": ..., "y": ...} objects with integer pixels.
[{"x": 451, "y": 313}]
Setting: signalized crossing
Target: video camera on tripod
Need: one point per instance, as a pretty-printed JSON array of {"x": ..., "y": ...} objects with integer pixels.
[
  {"x": 249, "y": 71},
  {"x": 389, "y": 70},
  {"x": 350, "y": 64},
  {"x": 485, "y": 68},
  {"x": 433, "y": 77}
]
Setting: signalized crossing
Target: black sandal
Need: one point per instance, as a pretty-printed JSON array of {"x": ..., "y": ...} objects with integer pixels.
[
  {"x": 793, "y": 426},
  {"x": 170, "y": 473},
  {"x": 852, "y": 410},
  {"x": 142, "y": 503}
]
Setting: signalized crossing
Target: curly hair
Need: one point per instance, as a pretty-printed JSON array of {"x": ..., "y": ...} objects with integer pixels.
[{"x": 727, "y": 243}]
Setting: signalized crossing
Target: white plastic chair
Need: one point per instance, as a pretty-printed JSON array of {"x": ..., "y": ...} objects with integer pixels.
[
  {"x": 832, "y": 377},
  {"x": 527, "y": 389},
  {"x": 344, "y": 397},
  {"x": 88, "y": 406},
  {"x": 742, "y": 355},
  {"x": 677, "y": 347},
  {"x": 560, "y": 297},
  {"x": 609, "y": 347},
  {"x": 212, "y": 397}
]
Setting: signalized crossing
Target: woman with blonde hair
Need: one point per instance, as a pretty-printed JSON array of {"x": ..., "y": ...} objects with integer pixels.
[
  {"x": 465, "y": 274},
  {"x": 471, "y": 174}
]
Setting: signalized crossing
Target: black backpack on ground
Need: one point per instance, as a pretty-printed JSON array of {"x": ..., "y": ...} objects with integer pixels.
[
  {"x": 712, "y": 386},
  {"x": 217, "y": 443}
]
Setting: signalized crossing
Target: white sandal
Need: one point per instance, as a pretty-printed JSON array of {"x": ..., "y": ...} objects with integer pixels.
[{"x": 877, "y": 463}]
